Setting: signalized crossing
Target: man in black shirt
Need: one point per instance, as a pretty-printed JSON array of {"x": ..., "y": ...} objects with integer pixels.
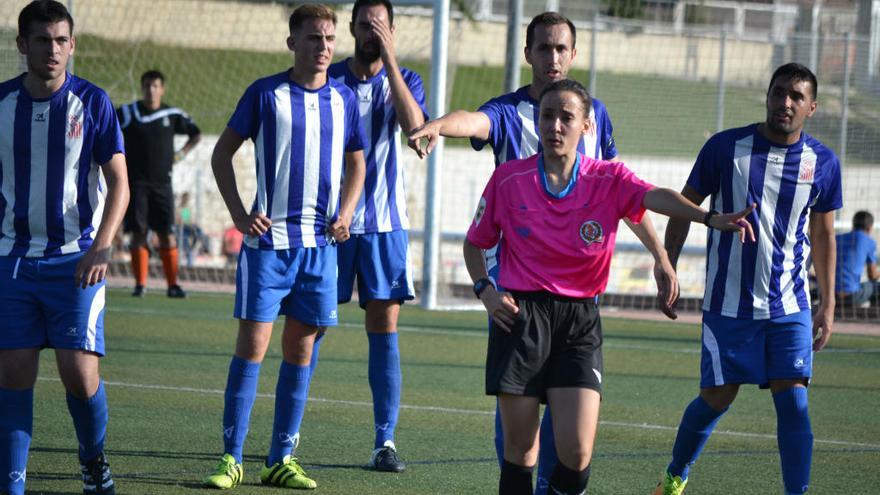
[{"x": 148, "y": 127}]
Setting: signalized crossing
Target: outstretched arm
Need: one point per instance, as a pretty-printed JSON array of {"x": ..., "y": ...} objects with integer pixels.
[
  {"x": 455, "y": 124},
  {"x": 825, "y": 263},
  {"x": 673, "y": 204}
]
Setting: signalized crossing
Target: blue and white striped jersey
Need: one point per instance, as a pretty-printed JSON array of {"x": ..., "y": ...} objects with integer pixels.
[
  {"x": 513, "y": 133},
  {"x": 382, "y": 205},
  {"x": 300, "y": 137},
  {"x": 767, "y": 278},
  {"x": 52, "y": 191}
]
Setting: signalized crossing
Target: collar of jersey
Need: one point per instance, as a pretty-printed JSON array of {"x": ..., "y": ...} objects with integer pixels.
[
  {"x": 64, "y": 86},
  {"x": 763, "y": 139},
  {"x": 356, "y": 79},
  {"x": 571, "y": 182}
]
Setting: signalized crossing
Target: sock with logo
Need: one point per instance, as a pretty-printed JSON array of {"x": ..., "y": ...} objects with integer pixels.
[
  {"x": 241, "y": 391},
  {"x": 794, "y": 435},
  {"x": 385, "y": 383},
  {"x": 515, "y": 479},
  {"x": 169, "y": 264},
  {"x": 547, "y": 458},
  {"x": 140, "y": 264},
  {"x": 694, "y": 430},
  {"x": 90, "y": 422},
  {"x": 565, "y": 481},
  {"x": 16, "y": 427},
  {"x": 291, "y": 394}
]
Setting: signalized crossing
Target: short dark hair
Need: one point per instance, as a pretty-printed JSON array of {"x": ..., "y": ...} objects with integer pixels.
[
  {"x": 796, "y": 72},
  {"x": 863, "y": 220},
  {"x": 152, "y": 75},
  {"x": 370, "y": 3},
  {"x": 575, "y": 87},
  {"x": 549, "y": 19},
  {"x": 45, "y": 11},
  {"x": 310, "y": 11}
]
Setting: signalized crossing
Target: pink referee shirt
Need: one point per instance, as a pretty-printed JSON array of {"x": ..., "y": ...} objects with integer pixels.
[{"x": 559, "y": 244}]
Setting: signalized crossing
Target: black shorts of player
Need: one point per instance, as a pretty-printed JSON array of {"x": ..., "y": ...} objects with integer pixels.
[
  {"x": 555, "y": 342},
  {"x": 151, "y": 207}
]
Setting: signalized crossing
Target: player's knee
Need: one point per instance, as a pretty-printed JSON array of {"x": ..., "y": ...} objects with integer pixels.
[
  {"x": 381, "y": 316},
  {"x": 575, "y": 455},
  {"x": 719, "y": 398}
]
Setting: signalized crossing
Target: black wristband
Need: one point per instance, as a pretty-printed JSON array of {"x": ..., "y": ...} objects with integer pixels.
[
  {"x": 481, "y": 285},
  {"x": 708, "y": 217}
]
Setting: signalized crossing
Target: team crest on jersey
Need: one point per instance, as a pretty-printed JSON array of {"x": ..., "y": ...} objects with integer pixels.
[
  {"x": 481, "y": 208},
  {"x": 808, "y": 170},
  {"x": 74, "y": 127},
  {"x": 591, "y": 232}
]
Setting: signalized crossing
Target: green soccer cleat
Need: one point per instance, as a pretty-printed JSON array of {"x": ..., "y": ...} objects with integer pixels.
[
  {"x": 228, "y": 474},
  {"x": 670, "y": 485},
  {"x": 287, "y": 474}
]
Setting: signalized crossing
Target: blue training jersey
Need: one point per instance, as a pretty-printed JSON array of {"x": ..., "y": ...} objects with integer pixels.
[
  {"x": 52, "y": 191},
  {"x": 767, "y": 278},
  {"x": 300, "y": 139},
  {"x": 513, "y": 133},
  {"x": 855, "y": 250},
  {"x": 382, "y": 205}
]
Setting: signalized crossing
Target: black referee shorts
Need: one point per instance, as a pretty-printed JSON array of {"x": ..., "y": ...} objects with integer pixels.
[
  {"x": 151, "y": 207},
  {"x": 555, "y": 342}
]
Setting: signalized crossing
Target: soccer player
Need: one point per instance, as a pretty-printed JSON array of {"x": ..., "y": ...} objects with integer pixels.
[
  {"x": 306, "y": 130},
  {"x": 545, "y": 342},
  {"x": 149, "y": 126},
  {"x": 509, "y": 124},
  {"x": 62, "y": 197},
  {"x": 756, "y": 309},
  {"x": 857, "y": 253},
  {"x": 390, "y": 98}
]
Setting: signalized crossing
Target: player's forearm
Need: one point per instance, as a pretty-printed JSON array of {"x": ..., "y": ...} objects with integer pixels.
[
  {"x": 474, "y": 261},
  {"x": 116, "y": 202},
  {"x": 191, "y": 143},
  {"x": 648, "y": 236},
  {"x": 224, "y": 176},
  {"x": 824, "y": 261},
  {"x": 352, "y": 183},
  {"x": 409, "y": 115},
  {"x": 676, "y": 233},
  {"x": 464, "y": 124}
]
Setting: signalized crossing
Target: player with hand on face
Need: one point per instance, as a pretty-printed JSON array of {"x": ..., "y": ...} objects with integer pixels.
[
  {"x": 62, "y": 198},
  {"x": 558, "y": 212},
  {"x": 310, "y": 171}
]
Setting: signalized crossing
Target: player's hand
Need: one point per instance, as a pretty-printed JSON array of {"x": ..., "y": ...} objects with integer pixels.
[
  {"x": 338, "y": 230},
  {"x": 501, "y": 307},
  {"x": 385, "y": 36},
  {"x": 255, "y": 224},
  {"x": 179, "y": 155},
  {"x": 429, "y": 130},
  {"x": 735, "y": 222},
  {"x": 667, "y": 287},
  {"x": 92, "y": 267},
  {"x": 822, "y": 323}
]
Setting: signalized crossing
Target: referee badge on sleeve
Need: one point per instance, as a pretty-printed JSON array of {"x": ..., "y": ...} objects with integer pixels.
[
  {"x": 591, "y": 232},
  {"x": 481, "y": 208}
]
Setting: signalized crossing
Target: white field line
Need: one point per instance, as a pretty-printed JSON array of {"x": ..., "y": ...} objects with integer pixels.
[
  {"x": 469, "y": 333},
  {"x": 449, "y": 410}
]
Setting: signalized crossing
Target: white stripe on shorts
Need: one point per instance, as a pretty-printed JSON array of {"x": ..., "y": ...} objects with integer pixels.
[
  {"x": 243, "y": 290},
  {"x": 97, "y": 306},
  {"x": 712, "y": 346}
]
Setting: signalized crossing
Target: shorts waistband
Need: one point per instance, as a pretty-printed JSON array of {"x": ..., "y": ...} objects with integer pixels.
[{"x": 543, "y": 295}]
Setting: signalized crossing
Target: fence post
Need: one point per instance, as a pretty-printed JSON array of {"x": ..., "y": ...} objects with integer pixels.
[
  {"x": 594, "y": 67},
  {"x": 719, "y": 112},
  {"x": 844, "y": 104},
  {"x": 514, "y": 46}
]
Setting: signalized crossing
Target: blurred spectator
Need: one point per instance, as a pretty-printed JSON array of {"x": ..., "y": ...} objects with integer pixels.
[
  {"x": 190, "y": 236},
  {"x": 856, "y": 253},
  {"x": 232, "y": 240}
]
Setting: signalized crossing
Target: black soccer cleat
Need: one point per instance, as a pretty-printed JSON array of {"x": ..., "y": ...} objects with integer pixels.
[
  {"x": 385, "y": 459},
  {"x": 97, "y": 478},
  {"x": 139, "y": 291},
  {"x": 176, "y": 292}
]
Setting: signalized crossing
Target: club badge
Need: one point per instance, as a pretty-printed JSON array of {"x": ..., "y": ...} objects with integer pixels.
[{"x": 591, "y": 232}]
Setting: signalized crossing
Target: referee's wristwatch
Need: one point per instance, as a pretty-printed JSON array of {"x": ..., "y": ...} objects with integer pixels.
[
  {"x": 708, "y": 217},
  {"x": 481, "y": 285}
]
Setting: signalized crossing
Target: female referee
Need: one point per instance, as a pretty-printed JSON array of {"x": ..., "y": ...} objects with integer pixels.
[{"x": 558, "y": 213}]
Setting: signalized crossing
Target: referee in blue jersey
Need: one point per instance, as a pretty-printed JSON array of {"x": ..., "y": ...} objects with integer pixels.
[
  {"x": 757, "y": 327},
  {"x": 390, "y": 99},
  {"x": 310, "y": 171},
  {"x": 509, "y": 124},
  {"x": 62, "y": 197}
]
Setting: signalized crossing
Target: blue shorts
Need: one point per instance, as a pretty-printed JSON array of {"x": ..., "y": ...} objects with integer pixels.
[
  {"x": 756, "y": 351},
  {"x": 382, "y": 266},
  {"x": 41, "y": 306},
  {"x": 299, "y": 283}
]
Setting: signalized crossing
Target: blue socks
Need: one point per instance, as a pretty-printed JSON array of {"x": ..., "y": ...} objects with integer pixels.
[
  {"x": 316, "y": 347},
  {"x": 795, "y": 438},
  {"x": 694, "y": 430},
  {"x": 547, "y": 457},
  {"x": 241, "y": 391},
  {"x": 90, "y": 422},
  {"x": 291, "y": 394},
  {"x": 385, "y": 383},
  {"x": 16, "y": 427}
]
